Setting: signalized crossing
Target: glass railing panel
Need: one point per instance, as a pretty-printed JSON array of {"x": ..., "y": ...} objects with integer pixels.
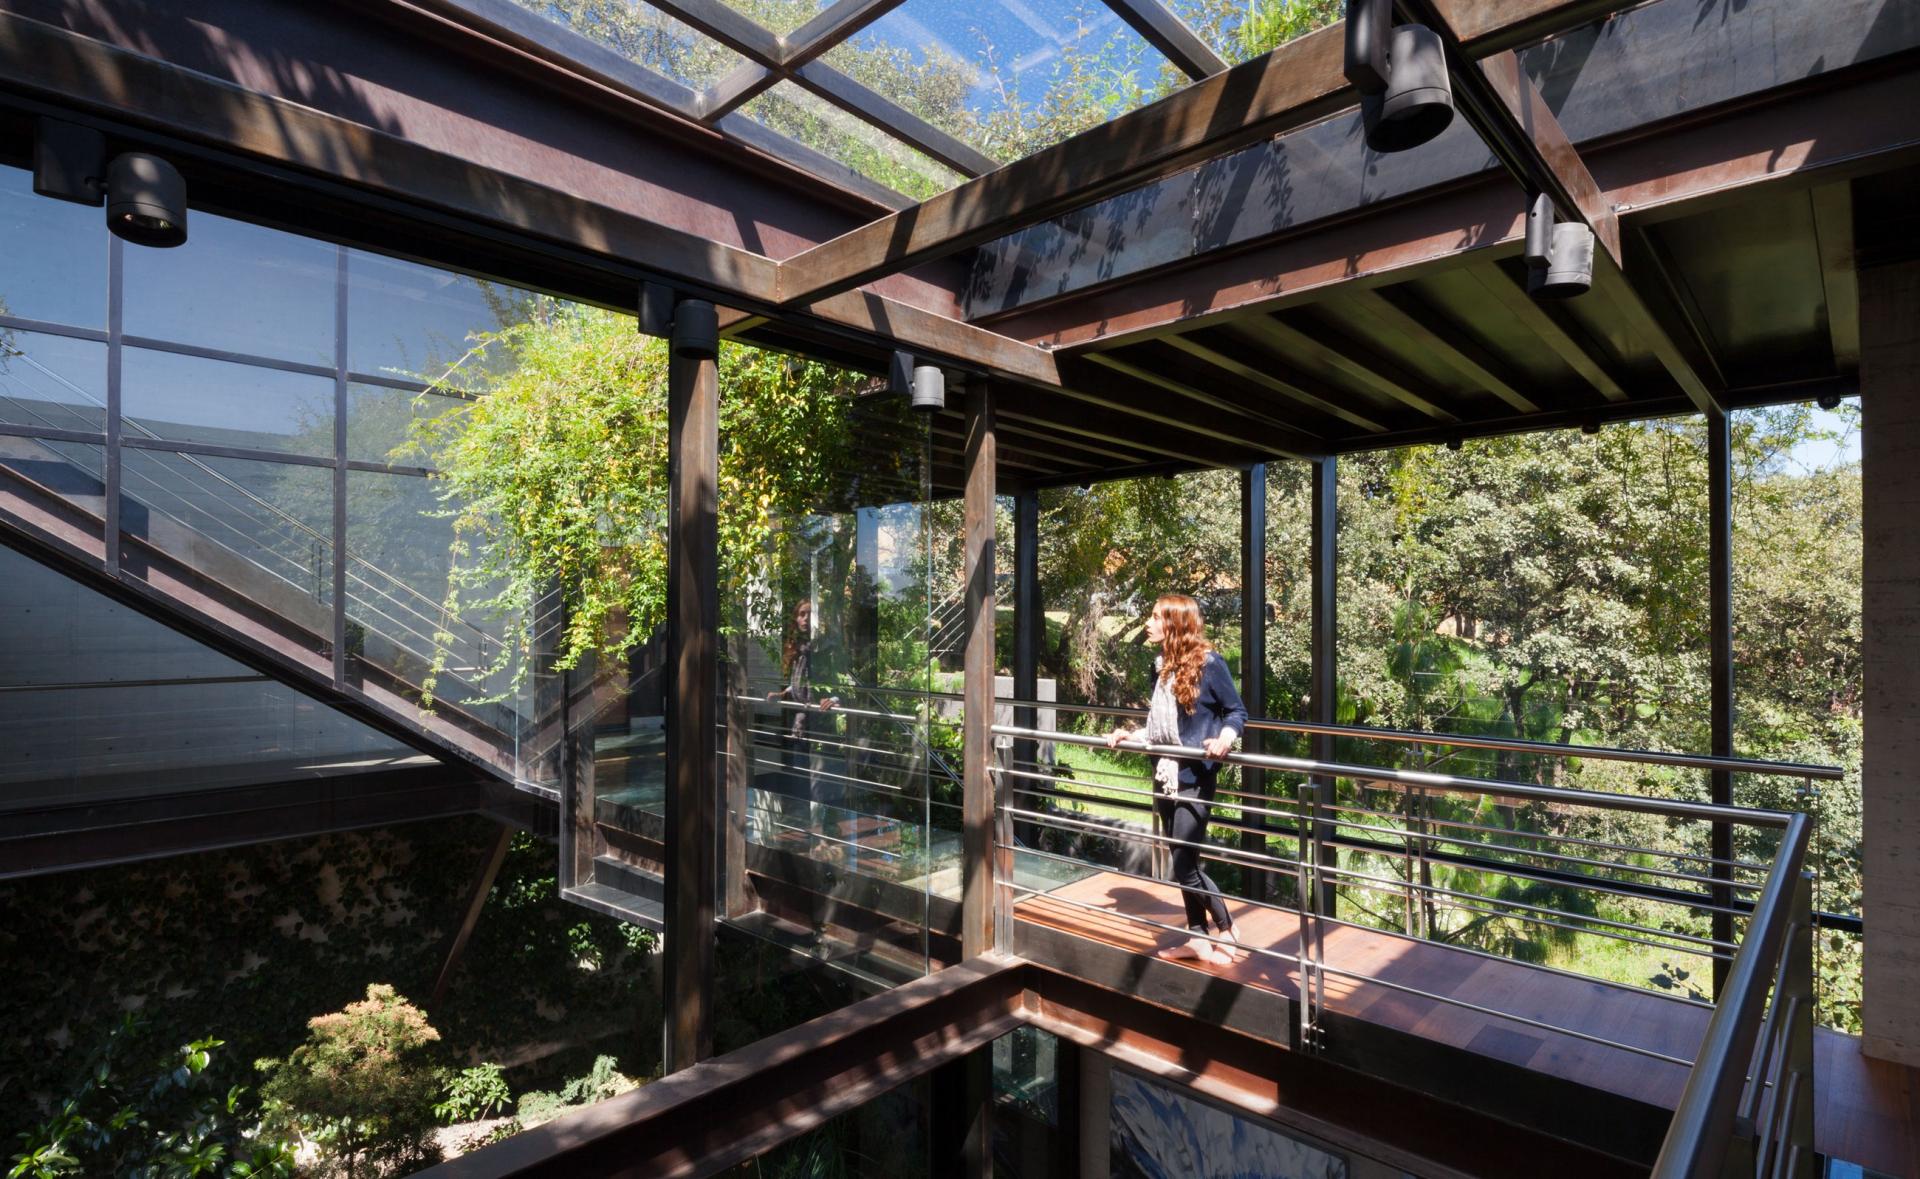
[{"x": 52, "y": 382}]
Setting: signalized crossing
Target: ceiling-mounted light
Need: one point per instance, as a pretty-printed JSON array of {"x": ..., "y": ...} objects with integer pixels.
[
  {"x": 146, "y": 198},
  {"x": 1559, "y": 254},
  {"x": 1406, "y": 97},
  {"x": 929, "y": 389}
]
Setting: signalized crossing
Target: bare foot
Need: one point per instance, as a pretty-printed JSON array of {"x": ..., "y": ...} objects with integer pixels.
[
  {"x": 1185, "y": 951},
  {"x": 1232, "y": 948}
]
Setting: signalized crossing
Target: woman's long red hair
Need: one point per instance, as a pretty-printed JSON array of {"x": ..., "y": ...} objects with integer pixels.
[{"x": 1183, "y": 646}]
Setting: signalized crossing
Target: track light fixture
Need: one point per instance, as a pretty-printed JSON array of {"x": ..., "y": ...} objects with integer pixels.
[
  {"x": 923, "y": 385},
  {"x": 1559, "y": 254},
  {"x": 146, "y": 198},
  {"x": 1406, "y": 97},
  {"x": 1828, "y": 401}
]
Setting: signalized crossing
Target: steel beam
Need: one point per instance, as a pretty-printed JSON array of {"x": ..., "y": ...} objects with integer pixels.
[
  {"x": 470, "y": 913},
  {"x": 1833, "y": 225},
  {"x": 1720, "y": 664},
  {"x": 1253, "y": 655},
  {"x": 1401, "y": 311},
  {"x": 1324, "y": 646},
  {"x": 693, "y": 619},
  {"x": 1029, "y": 621},
  {"x": 1166, "y": 32}
]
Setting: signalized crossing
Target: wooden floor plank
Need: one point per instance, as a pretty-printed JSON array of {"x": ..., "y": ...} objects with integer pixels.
[{"x": 1866, "y": 1111}]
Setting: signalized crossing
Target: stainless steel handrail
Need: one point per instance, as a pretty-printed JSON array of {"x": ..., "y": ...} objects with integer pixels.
[
  {"x": 1703, "y": 1124},
  {"x": 1695, "y": 761},
  {"x": 1672, "y": 808}
]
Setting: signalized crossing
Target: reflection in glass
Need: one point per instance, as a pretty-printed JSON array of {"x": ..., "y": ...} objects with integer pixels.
[
  {"x": 190, "y": 399},
  {"x": 237, "y": 288},
  {"x": 254, "y": 531},
  {"x": 1160, "y": 1130},
  {"x": 1242, "y": 31},
  {"x": 52, "y": 381},
  {"x": 97, "y": 701},
  {"x": 829, "y": 762},
  {"x": 43, "y": 478},
  {"x": 380, "y": 418},
  {"x": 56, "y": 256},
  {"x": 413, "y": 322}
]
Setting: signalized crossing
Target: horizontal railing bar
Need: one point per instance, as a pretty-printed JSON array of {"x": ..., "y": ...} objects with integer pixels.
[
  {"x": 1386, "y": 885},
  {"x": 1219, "y": 852},
  {"x": 841, "y": 710},
  {"x": 1704, "y": 812},
  {"x": 1697, "y": 761}
]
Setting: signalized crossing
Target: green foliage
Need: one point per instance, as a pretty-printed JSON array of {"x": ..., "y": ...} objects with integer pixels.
[
  {"x": 600, "y": 1082},
  {"x": 556, "y": 477},
  {"x": 361, "y": 1088},
  {"x": 474, "y": 1093},
  {"x": 168, "y": 1120}
]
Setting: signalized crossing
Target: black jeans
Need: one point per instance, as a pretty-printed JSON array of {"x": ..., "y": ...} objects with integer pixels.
[{"x": 1185, "y": 819}]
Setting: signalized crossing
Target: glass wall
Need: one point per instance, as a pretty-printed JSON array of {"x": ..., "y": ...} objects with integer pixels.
[
  {"x": 281, "y": 405},
  {"x": 841, "y": 771}
]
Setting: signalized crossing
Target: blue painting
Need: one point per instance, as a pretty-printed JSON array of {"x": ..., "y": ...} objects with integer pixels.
[{"x": 1160, "y": 1133}]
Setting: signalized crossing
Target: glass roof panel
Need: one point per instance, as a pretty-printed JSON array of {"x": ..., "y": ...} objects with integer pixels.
[
  {"x": 827, "y": 129},
  {"x": 644, "y": 35},
  {"x": 1009, "y": 76},
  {"x": 1239, "y": 30},
  {"x": 778, "y": 16}
]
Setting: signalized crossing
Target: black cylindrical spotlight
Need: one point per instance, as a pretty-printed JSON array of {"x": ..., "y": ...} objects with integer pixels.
[
  {"x": 146, "y": 200},
  {"x": 696, "y": 329},
  {"x": 1418, "y": 102},
  {"x": 1828, "y": 401}
]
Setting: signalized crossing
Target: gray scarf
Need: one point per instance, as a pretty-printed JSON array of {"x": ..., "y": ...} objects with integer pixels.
[{"x": 1163, "y": 728}]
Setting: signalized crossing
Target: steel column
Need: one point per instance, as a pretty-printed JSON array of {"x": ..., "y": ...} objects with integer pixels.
[
  {"x": 1253, "y": 652},
  {"x": 1720, "y": 657},
  {"x": 693, "y": 617},
  {"x": 979, "y": 929},
  {"x": 110, "y": 460},
  {"x": 340, "y": 668},
  {"x": 1325, "y": 666},
  {"x": 470, "y": 915}
]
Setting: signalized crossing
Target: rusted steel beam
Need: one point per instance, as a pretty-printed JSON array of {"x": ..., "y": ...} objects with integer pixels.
[
  {"x": 1232, "y": 353},
  {"x": 1347, "y": 358},
  {"x": 470, "y": 914},
  {"x": 1833, "y": 224},
  {"x": 1294, "y": 84},
  {"x": 1401, "y": 312},
  {"x": 725, "y": 1111},
  {"x": 1550, "y": 163}
]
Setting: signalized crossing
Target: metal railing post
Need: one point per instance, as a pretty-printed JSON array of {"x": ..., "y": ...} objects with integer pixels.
[{"x": 1796, "y": 984}]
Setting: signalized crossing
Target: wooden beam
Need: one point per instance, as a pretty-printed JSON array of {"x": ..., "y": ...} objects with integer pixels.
[
  {"x": 1166, "y": 32},
  {"x": 1510, "y": 290},
  {"x": 1401, "y": 311},
  {"x": 1222, "y": 350},
  {"x": 735, "y": 89},
  {"x": 979, "y": 929},
  {"x": 693, "y": 620},
  {"x": 711, "y": 1118},
  {"x": 1833, "y": 226},
  {"x": 1345, "y": 357}
]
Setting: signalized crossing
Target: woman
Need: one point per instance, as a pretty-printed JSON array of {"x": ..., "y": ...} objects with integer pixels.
[
  {"x": 1194, "y": 704},
  {"x": 804, "y": 655}
]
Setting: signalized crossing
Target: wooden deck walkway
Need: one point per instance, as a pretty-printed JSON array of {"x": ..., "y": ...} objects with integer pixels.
[{"x": 1867, "y": 1111}]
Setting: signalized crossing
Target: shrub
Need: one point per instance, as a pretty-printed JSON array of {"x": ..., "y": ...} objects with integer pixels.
[
  {"x": 167, "y": 1121},
  {"x": 474, "y": 1093},
  {"x": 361, "y": 1088}
]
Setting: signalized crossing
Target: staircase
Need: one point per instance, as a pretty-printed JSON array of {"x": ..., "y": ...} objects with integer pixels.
[{"x": 208, "y": 548}]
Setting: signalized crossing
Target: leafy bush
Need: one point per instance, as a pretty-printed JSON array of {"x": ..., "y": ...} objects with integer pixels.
[
  {"x": 362, "y": 1088},
  {"x": 474, "y": 1093},
  {"x": 602, "y": 1081},
  {"x": 168, "y": 1121}
]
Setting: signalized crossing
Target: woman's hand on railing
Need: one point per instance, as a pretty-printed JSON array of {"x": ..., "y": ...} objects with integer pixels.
[
  {"x": 1118, "y": 735},
  {"x": 1217, "y": 748}
]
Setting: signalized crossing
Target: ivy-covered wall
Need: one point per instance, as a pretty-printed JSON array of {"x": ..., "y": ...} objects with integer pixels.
[{"x": 248, "y": 944}]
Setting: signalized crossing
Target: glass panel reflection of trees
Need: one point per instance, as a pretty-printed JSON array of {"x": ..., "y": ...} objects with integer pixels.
[{"x": 839, "y": 758}]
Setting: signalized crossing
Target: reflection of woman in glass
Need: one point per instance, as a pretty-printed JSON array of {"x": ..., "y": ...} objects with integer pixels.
[
  {"x": 1194, "y": 704},
  {"x": 802, "y": 656}
]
